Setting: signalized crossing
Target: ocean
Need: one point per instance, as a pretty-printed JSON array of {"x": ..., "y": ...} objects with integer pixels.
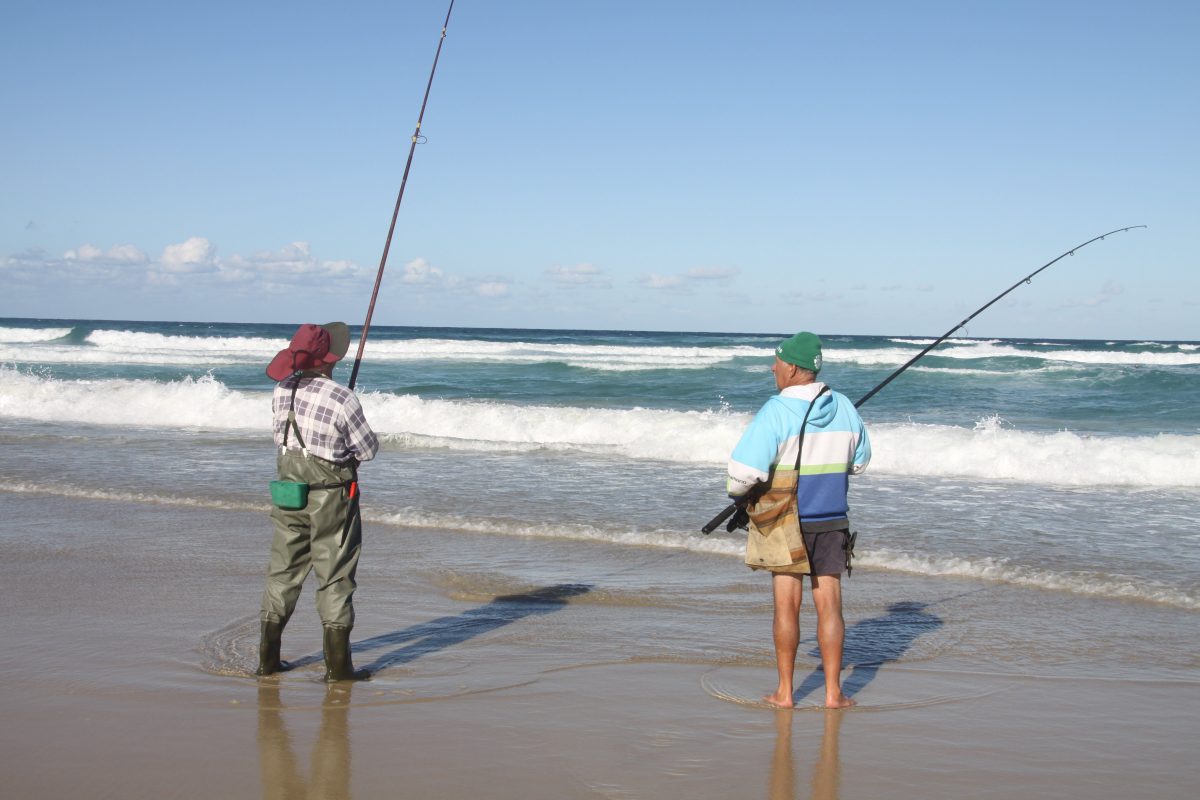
[{"x": 1051, "y": 487}]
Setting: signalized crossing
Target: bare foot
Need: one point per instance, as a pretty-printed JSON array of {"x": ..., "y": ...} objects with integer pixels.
[
  {"x": 780, "y": 700},
  {"x": 839, "y": 701}
]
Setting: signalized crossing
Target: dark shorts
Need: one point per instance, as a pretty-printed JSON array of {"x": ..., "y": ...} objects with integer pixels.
[{"x": 826, "y": 553}]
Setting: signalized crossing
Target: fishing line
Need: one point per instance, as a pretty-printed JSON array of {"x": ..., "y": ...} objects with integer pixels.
[
  {"x": 1027, "y": 279},
  {"x": 416, "y": 139},
  {"x": 724, "y": 515}
]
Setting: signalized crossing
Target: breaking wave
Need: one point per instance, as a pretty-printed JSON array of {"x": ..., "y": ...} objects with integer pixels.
[{"x": 989, "y": 451}]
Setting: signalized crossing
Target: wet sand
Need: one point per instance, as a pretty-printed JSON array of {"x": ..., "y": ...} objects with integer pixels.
[{"x": 521, "y": 668}]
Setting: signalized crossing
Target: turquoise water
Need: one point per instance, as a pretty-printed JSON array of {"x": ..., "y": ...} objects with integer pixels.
[{"x": 1102, "y": 387}]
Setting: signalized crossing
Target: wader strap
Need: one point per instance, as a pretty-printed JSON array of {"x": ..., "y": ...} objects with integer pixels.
[
  {"x": 350, "y": 485},
  {"x": 291, "y": 423}
]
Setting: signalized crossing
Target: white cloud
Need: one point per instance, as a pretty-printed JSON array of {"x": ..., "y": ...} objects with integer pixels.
[
  {"x": 293, "y": 260},
  {"x": 194, "y": 267},
  {"x": 809, "y": 296},
  {"x": 84, "y": 265},
  {"x": 197, "y": 254},
  {"x": 492, "y": 288},
  {"x": 84, "y": 252},
  {"x": 684, "y": 281},
  {"x": 423, "y": 276},
  {"x": 655, "y": 281},
  {"x": 711, "y": 273},
  {"x": 193, "y": 263},
  {"x": 421, "y": 273},
  {"x": 579, "y": 275},
  {"x": 118, "y": 254}
]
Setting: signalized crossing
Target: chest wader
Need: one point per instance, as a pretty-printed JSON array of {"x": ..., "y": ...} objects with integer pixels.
[{"x": 325, "y": 536}]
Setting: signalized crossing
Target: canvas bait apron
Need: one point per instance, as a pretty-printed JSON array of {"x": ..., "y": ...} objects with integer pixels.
[{"x": 775, "y": 538}]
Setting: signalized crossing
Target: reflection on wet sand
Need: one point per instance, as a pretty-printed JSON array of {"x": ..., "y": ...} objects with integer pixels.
[
  {"x": 826, "y": 771},
  {"x": 329, "y": 769}
]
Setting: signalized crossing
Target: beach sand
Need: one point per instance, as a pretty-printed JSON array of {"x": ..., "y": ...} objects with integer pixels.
[{"x": 514, "y": 667}]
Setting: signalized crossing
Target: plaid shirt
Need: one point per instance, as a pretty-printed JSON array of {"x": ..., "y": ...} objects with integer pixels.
[{"x": 330, "y": 418}]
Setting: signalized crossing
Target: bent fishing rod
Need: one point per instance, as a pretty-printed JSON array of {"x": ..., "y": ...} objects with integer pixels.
[
  {"x": 724, "y": 515},
  {"x": 387, "y": 245}
]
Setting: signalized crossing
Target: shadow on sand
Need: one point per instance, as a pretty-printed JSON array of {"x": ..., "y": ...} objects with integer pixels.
[
  {"x": 438, "y": 634},
  {"x": 873, "y": 642}
]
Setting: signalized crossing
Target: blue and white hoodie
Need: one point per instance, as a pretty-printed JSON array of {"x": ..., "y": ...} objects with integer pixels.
[{"x": 835, "y": 446}]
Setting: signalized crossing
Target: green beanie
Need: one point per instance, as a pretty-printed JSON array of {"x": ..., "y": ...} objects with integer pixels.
[{"x": 803, "y": 350}]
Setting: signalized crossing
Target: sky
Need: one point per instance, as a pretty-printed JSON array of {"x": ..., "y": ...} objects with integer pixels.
[{"x": 849, "y": 168}]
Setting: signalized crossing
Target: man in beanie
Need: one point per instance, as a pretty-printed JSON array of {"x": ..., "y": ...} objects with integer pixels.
[
  {"x": 811, "y": 438},
  {"x": 322, "y": 437}
]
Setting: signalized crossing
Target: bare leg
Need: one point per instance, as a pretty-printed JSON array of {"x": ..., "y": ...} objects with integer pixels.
[
  {"x": 788, "y": 591},
  {"x": 831, "y": 636}
]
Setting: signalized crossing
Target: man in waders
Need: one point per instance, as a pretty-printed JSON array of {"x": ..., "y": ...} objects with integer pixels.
[
  {"x": 804, "y": 443},
  {"x": 322, "y": 436}
]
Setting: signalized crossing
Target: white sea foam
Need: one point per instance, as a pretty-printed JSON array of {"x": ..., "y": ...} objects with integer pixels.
[
  {"x": 26, "y": 335},
  {"x": 989, "y": 452},
  {"x": 132, "y": 347},
  {"x": 155, "y": 343},
  {"x": 189, "y": 403},
  {"x": 993, "y": 453},
  {"x": 591, "y": 356},
  {"x": 683, "y": 436},
  {"x": 107, "y": 346},
  {"x": 982, "y": 350},
  {"x": 926, "y": 342},
  {"x": 989, "y": 373},
  {"x": 143, "y": 498},
  {"x": 1118, "y": 358},
  {"x": 1002, "y": 571}
]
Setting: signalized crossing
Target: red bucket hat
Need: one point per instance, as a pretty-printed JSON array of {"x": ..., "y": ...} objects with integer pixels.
[{"x": 311, "y": 346}]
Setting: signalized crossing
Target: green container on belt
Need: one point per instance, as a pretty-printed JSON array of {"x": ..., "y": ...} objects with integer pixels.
[{"x": 289, "y": 495}]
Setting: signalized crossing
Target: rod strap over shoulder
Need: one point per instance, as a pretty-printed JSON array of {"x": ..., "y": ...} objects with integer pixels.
[{"x": 803, "y": 425}]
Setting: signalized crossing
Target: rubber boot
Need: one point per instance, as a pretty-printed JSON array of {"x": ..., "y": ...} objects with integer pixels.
[
  {"x": 268, "y": 649},
  {"x": 338, "y": 666}
]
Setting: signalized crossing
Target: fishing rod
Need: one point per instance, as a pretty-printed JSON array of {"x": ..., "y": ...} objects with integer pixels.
[
  {"x": 1027, "y": 279},
  {"x": 416, "y": 139},
  {"x": 724, "y": 515}
]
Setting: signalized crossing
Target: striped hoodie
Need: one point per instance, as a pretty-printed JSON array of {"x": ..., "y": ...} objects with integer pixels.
[{"x": 835, "y": 446}]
